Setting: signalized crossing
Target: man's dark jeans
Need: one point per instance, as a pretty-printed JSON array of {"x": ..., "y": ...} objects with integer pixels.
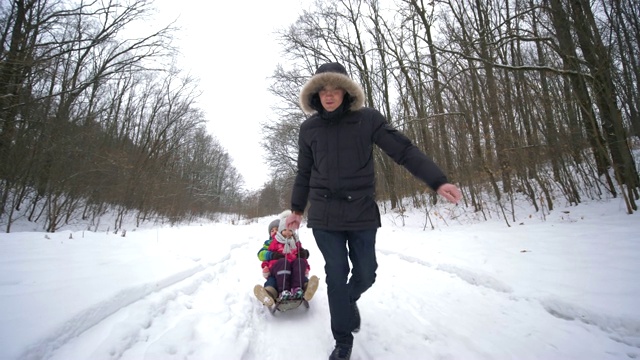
[{"x": 338, "y": 247}]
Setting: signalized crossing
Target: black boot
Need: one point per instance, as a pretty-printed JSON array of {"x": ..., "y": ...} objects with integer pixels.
[{"x": 341, "y": 352}]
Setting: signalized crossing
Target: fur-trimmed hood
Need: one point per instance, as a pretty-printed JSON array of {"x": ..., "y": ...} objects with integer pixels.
[{"x": 332, "y": 74}]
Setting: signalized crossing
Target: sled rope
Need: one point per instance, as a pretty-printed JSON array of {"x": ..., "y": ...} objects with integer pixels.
[
  {"x": 284, "y": 273},
  {"x": 300, "y": 270}
]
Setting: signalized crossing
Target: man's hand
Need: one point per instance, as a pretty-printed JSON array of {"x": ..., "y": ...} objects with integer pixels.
[
  {"x": 450, "y": 192},
  {"x": 293, "y": 221}
]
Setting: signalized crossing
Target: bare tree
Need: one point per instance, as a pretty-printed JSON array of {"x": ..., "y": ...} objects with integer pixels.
[
  {"x": 504, "y": 93},
  {"x": 88, "y": 122}
]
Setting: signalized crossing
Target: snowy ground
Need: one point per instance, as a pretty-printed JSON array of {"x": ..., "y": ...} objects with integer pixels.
[{"x": 565, "y": 288}]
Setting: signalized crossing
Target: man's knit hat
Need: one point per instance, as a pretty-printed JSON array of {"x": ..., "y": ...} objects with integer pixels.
[
  {"x": 274, "y": 224},
  {"x": 330, "y": 74}
]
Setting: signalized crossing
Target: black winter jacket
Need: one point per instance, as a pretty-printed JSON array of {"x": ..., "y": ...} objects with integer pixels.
[{"x": 335, "y": 168}]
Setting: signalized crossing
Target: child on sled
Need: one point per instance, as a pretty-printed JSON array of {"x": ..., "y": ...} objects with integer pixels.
[{"x": 284, "y": 266}]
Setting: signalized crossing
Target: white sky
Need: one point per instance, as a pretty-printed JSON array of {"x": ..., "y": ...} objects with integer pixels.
[
  {"x": 231, "y": 47},
  {"x": 566, "y": 288}
]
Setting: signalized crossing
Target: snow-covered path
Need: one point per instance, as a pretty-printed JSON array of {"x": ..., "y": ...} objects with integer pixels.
[
  {"x": 473, "y": 292},
  {"x": 210, "y": 312}
]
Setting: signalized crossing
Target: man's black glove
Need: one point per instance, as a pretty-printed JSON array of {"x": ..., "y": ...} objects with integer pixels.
[
  {"x": 276, "y": 255},
  {"x": 303, "y": 253}
]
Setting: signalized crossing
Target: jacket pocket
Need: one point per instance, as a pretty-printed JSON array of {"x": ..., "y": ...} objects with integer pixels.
[
  {"x": 361, "y": 210},
  {"x": 318, "y": 206}
]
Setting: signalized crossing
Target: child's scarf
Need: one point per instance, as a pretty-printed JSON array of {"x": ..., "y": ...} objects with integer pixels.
[{"x": 289, "y": 244}]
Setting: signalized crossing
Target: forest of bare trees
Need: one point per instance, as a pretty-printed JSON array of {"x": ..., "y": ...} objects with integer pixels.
[
  {"x": 94, "y": 120},
  {"x": 513, "y": 98}
]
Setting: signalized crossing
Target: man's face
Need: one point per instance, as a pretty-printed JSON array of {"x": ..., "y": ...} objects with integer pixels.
[{"x": 331, "y": 97}]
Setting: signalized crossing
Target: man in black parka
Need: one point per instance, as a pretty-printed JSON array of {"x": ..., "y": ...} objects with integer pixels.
[{"x": 336, "y": 176}]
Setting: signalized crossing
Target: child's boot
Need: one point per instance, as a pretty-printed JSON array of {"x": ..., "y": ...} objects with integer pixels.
[
  {"x": 297, "y": 293},
  {"x": 285, "y": 295},
  {"x": 272, "y": 291},
  {"x": 263, "y": 295},
  {"x": 312, "y": 286}
]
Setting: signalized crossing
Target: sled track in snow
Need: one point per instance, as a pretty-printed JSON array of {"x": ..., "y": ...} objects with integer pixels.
[
  {"x": 623, "y": 330},
  {"x": 167, "y": 290},
  {"x": 471, "y": 277},
  {"x": 619, "y": 329}
]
